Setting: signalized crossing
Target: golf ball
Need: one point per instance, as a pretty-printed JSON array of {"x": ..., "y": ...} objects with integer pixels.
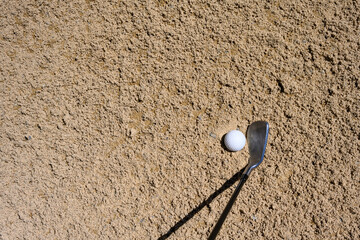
[{"x": 234, "y": 140}]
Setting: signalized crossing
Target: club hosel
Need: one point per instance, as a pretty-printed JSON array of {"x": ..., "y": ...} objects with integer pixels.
[{"x": 248, "y": 169}]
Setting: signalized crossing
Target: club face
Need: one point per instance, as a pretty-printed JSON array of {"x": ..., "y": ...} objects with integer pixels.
[{"x": 257, "y": 135}]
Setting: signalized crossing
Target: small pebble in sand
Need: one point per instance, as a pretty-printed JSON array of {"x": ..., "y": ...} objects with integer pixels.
[
  {"x": 27, "y": 137},
  {"x": 212, "y": 135}
]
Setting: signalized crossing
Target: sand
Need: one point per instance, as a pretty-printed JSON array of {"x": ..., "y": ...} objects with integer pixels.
[{"x": 112, "y": 114}]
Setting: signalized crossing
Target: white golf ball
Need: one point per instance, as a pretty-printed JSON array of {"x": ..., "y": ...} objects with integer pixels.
[{"x": 234, "y": 140}]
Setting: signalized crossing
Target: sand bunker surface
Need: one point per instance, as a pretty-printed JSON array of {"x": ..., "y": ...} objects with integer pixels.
[{"x": 112, "y": 113}]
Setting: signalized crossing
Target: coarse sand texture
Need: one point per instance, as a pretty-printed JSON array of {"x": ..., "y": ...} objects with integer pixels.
[{"x": 112, "y": 115}]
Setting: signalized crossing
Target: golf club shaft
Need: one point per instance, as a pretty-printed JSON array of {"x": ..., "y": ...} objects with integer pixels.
[{"x": 227, "y": 209}]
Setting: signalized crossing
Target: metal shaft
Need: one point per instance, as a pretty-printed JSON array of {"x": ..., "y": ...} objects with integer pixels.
[{"x": 227, "y": 209}]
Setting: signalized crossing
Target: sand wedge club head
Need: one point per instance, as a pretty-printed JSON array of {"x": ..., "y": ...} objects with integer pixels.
[{"x": 257, "y": 135}]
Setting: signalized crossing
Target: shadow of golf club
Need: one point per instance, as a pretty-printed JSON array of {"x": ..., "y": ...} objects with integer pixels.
[{"x": 206, "y": 202}]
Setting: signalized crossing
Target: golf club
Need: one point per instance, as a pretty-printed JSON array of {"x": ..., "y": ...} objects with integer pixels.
[{"x": 257, "y": 135}]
